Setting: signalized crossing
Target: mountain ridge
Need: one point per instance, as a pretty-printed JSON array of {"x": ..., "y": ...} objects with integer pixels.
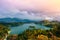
[{"x": 15, "y": 20}]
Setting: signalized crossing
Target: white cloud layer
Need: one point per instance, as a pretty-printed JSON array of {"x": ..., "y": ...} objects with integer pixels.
[{"x": 30, "y": 9}]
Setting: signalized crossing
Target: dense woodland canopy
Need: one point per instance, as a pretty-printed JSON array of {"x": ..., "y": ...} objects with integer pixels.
[
  {"x": 34, "y": 34},
  {"x": 4, "y": 31}
]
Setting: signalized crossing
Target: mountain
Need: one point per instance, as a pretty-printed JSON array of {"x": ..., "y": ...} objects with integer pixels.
[{"x": 14, "y": 20}]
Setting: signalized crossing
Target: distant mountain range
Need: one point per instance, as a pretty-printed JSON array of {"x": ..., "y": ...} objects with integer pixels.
[{"x": 14, "y": 20}]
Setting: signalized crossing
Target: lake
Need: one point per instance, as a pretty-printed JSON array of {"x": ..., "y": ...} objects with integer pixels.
[{"x": 22, "y": 28}]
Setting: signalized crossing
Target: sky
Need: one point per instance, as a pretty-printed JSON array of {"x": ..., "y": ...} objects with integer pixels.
[{"x": 30, "y": 9}]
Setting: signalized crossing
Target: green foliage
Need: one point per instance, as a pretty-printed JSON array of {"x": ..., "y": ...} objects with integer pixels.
[
  {"x": 55, "y": 27},
  {"x": 3, "y": 31},
  {"x": 12, "y": 24},
  {"x": 32, "y": 34}
]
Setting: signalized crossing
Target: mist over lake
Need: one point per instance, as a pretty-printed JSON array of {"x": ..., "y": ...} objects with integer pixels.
[{"x": 29, "y": 19}]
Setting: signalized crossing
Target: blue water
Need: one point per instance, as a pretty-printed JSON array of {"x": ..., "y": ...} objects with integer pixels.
[{"x": 20, "y": 29}]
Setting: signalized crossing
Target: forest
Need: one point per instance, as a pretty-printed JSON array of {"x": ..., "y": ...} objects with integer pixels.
[{"x": 32, "y": 33}]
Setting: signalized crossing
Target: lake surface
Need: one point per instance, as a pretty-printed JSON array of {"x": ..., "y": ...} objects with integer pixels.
[{"x": 22, "y": 28}]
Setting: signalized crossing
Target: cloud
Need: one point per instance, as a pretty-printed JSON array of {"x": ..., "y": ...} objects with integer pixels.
[{"x": 30, "y": 9}]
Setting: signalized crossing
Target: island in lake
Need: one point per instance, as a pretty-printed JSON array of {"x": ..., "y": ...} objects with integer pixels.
[{"x": 29, "y": 30}]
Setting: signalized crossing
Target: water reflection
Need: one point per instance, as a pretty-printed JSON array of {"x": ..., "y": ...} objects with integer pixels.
[{"x": 20, "y": 29}]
